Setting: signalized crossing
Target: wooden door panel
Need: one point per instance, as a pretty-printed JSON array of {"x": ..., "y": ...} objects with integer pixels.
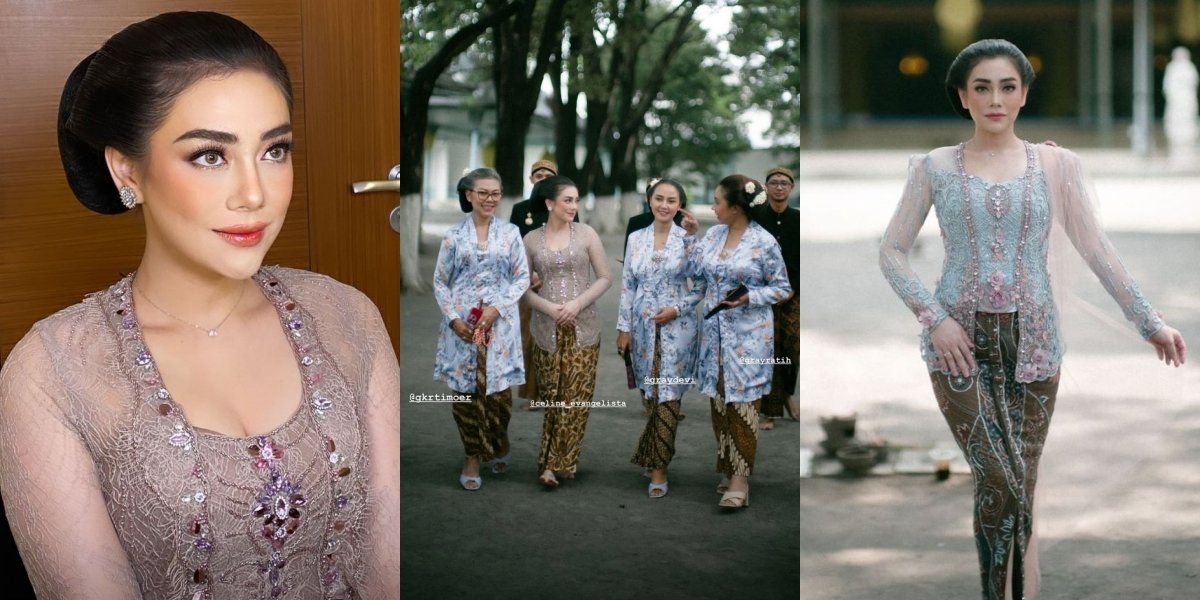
[{"x": 354, "y": 47}]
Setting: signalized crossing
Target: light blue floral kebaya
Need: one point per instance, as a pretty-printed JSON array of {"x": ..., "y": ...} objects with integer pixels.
[
  {"x": 650, "y": 281},
  {"x": 744, "y": 335},
  {"x": 996, "y": 236},
  {"x": 496, "y": 274}
]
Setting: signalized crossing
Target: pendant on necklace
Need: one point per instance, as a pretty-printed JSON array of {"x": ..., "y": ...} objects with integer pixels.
[{"x": 212, "y": 333}]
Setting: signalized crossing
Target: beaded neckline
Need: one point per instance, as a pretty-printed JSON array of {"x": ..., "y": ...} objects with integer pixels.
[{"x": 281, "y": 500}]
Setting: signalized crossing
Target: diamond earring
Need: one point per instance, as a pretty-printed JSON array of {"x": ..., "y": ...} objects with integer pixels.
[{"x": 128, "y": 196}]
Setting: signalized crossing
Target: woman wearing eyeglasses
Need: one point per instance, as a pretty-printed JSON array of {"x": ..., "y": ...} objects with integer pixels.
[
  {"x": 480, "y": 275},
  {"x": 565, "y": 326}
]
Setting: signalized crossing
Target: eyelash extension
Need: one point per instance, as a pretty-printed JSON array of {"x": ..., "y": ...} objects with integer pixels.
[
  {"x": 287, "y": 146},
  {"x": 210, "y": 149}
]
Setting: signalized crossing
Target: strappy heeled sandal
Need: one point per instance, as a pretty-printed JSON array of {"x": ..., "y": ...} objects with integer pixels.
[{"x": 742, "y": 500}]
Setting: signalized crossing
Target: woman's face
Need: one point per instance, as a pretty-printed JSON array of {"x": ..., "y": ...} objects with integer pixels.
[
  {"x": 484, "y": 197},
  {"x": 565, "y": 205},
  {"x": 217, "y": 178},
  {"x": 664, "y": 203},
  {"x": 994, "y": 94},
  {"x": 725, "y": 211}
]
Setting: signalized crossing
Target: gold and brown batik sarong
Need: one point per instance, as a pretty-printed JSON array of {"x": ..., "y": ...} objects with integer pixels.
[
  {"x": 1001, "y": 426},
  {"x": 735, "y": 426},
  {"x": 483, "y": 422},
  {"x": 657, "y": 444},
  {"x": 787, "y": 346},
  {"x": 565, "y": 376},
  {"x": 529, "y": 389}
]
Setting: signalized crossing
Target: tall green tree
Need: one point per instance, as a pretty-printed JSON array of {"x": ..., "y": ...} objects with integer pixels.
[
  {"x": 434, "y": 34},
  {"x": 619, "y": 68},
  {"x": 692, "y": 128},
  {"x": 767, "y": 35},
  {"x": 523, "y": 48}
]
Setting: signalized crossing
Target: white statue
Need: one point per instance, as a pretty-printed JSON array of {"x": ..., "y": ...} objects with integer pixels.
[{"x": 1180, "y": 81}]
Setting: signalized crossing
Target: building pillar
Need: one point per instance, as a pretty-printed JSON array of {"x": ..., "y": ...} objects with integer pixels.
[
  {"x": 816, "y": 90},
  {"x": 1104, "y": 70},
  {"x": 1142, "y": 132}
]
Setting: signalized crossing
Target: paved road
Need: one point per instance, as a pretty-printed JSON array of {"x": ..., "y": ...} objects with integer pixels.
[{"x": 598, "y": 536}]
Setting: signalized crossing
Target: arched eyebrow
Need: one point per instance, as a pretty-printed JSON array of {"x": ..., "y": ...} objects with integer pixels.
[
  {"x": 1005, "y": 80},
  {"x": 225, "y": 137}
]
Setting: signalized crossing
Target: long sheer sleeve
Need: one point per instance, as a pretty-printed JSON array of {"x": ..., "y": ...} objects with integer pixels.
[
  {"x": 381, "y": 417},
  {"x": 1071, "y": 193},
  {"x": 599, "y": 261},
  {"x": 534, "y": 241},
  {"x": 898, "y": 239},
  {"x": 52, "y": 492}
]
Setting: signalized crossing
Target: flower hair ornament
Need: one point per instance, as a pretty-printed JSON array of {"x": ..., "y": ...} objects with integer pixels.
[
  {"x": 756, "y": 198},
  {"x": 653, "y": 182}
]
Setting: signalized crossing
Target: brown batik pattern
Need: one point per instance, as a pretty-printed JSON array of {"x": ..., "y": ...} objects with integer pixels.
[
  {"x": 566, "y": 376},
  {"x": 657, "y": 444},
  {"x": 735, "y": 426},
  {"x": 529, "y": 389},
  {"x": 1001, "y": 426},
  {"x": 787, "y": 345},
  {"x": 483, "y": 422}
]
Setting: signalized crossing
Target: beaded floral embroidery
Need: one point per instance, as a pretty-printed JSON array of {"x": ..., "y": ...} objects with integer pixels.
[{"x": 279, "y": 505}]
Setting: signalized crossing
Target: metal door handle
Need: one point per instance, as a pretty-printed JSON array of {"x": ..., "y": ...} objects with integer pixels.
[
  {"x": 362, "y": 187},
  {"x": 392, "y": 184}
]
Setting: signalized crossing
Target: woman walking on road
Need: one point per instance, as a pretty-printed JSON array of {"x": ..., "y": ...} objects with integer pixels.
[
  {"x": 990, "y": 334},
  {"x": 740, "y": 271},
  {"x": 657, "y": 325},
  {"x": 565, "y": 326},
  {"x": 480, "y": 275}
]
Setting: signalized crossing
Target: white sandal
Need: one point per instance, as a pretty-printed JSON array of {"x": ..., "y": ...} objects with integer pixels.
[
  {"x": 463, "y": 480},
  {"x": 661, "y": 487},
  {"x": 503, "y": 460},
  {"x": 742, "y": 499}
]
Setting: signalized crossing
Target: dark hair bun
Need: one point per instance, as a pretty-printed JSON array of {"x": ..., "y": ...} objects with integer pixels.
[
  {"x": 464, "y": 204},
  {"x": 85, "y": 167},
  {"x": 120, "y": 94}
]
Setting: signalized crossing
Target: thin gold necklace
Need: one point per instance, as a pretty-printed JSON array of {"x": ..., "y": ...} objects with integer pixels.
[{"x": 212, "y": 332}]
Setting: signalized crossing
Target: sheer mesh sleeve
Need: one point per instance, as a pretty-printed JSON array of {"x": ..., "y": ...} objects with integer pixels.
[
  {"x": 1072, "y": 206},
  {"x": 595, "y": 250},
  {"x": 898, "y": 240},
  {"x": 381, "y": 412},
  {"x": 52, "y": 493}
]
